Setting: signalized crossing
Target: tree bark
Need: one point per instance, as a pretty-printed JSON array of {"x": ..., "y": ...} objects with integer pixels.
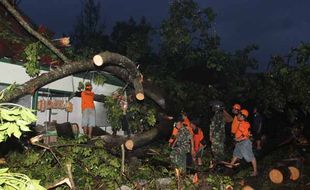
[
  {"x": 60, "y": 72},
  {"x": 37, "y": 35},
  {"x": 124, "y": 65},
  {"x": 142, "y": 139},
  {"x": 162, "y": 130},
  {"x": 75, "y": 67},
  {"x": 150, "y": 90},
  {"x": 121, "y": 66}
]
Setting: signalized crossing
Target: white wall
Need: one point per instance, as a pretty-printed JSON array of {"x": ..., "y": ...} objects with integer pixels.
[
  {"x": 10, "y": 73},
  {"x": 75, "y": 116}
]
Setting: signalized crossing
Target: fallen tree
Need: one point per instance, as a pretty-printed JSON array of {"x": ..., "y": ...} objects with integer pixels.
[{"x": 114, "y": 63}]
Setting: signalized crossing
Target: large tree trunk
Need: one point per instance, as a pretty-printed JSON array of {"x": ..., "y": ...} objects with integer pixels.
[
  {"x": 162, "y": 131},
  {"x": 126, "y": 69},
  {"x": 122, "y": 67},
  {"x": 67, "y": 69},
  {"x": 29, "y": 29},
  {"x": 142, "y": 139},
  {"x": 75, "y": 67},
  {"x": 150, "y": 90}
]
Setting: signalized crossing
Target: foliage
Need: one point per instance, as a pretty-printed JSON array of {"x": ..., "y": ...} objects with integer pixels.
[
  {"x": 218, "y": 182},
  {"x": 140, "y": 115},
  {"x": 17, "y": 181},
  {"x": 14, "y": 119},
  {"x": 98, "y": 79},
  {"x": 186, "y": 38},
  {"x": 92, "y": 166},
  {"x": 81, "y": 86},
  {"x": 132, "y": 39},
  {"x": 114, "y": 112},
  {"x": 88, "y": 35},
  {"x": 32, "y": 55},
  {"x": 35, "y": 54},
  {"x": 285, "y": 88}
]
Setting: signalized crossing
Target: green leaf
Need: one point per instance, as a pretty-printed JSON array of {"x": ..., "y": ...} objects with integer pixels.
[
  {"x": 17, "y": 133},
  {"x": 24, "y": 128},
  {"x": 22, "y": 122},
  {"x": 4, "y": 126},
  {"x": 2, "y": 180},
  {"x": 3, "y": 170},
  {"x": 3, "y": 137},
  {"x": 36, "y": 184},
  {"x": 7, "y": 187},
  {"x": 12, "y": 129},
  {"x": 6, "y": 116},
  {"x": 27, "y": 115}
]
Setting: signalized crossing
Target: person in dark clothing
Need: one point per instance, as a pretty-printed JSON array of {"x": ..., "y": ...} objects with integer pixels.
[{"x": 256, "y": 130}]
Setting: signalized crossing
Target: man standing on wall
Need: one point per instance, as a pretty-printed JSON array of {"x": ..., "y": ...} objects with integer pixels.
[{"x": 88, "y": 110}]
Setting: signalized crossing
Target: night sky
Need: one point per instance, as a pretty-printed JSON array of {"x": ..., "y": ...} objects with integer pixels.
[{"x": 274, "y": 25}]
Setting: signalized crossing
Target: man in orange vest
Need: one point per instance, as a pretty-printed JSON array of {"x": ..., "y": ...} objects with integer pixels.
[
  {"x": 88, "y": 110},
  {"x": 199, "y": 144},
  {"x": 183, "y": 121},
  {"x": 234, "y": 125},
  {"x": 243, "y": 148}
]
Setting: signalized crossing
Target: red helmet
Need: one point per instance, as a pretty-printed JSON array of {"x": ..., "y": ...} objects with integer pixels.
[
  {"x": 244, "y": 112},
  {"x": 237, "y": 107}
]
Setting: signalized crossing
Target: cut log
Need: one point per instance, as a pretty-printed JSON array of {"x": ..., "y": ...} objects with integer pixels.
[
  {"x": 105, "y": 57},
  {"x": 99, "y": 59},
  {"x": 150, "y": 90},
  {"x": 129, "y": 144},
  {"x": 281, "y": 174},
  {"x": 141, "y": 139},
  {"x": 138, "y": 89},
  {"x": 295, "y": 173},
  {"x": 247, "y": 187}
]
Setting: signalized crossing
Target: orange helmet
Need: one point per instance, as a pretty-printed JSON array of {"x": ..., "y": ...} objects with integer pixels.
[
  {"x": 237, "y": 107},
  {"x": 244, "y": 112}
]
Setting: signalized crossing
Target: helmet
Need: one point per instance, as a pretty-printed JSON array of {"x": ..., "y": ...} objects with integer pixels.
[
  {"x": 237, "y": 107},
  {"x": 245, "y": 112}
]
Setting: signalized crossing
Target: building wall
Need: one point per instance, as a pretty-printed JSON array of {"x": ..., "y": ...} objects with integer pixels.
[{"x": 10, "y": 73}]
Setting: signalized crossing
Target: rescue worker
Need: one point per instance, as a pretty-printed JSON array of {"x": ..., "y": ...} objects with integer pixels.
[
  {"x": 184, "y": 120},
  {"x": 243, "y": 147},
  {"x": 256, "y": 128},
  {"x": 180, "y": 147},
  {"x": 217, "y": 133},
  {"x": 88, "y": 110},
  {"x": 234, "y": 125},
  {"x": 199, "y": 143}
]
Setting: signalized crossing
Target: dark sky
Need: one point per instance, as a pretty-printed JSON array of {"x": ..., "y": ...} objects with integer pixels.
[{"x": 274, "y": 25}]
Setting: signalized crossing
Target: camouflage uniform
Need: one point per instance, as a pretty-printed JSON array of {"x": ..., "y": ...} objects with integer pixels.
[
  {"x": 217, "y": 135},
  {"x": 181, "y": 148}
]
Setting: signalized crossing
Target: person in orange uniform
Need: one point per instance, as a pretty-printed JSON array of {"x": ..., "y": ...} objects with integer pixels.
[
  {"x": 88, "y": 110},
  {"x": 234, "y": 125},
  {"x": 199, "y": 143},
  {"x": 243, "y": 148},
  {"x": 184, "y": 120}
]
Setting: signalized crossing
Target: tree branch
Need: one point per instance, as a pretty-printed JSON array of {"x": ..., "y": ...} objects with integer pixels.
[{"x": 28, "y": 28}]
